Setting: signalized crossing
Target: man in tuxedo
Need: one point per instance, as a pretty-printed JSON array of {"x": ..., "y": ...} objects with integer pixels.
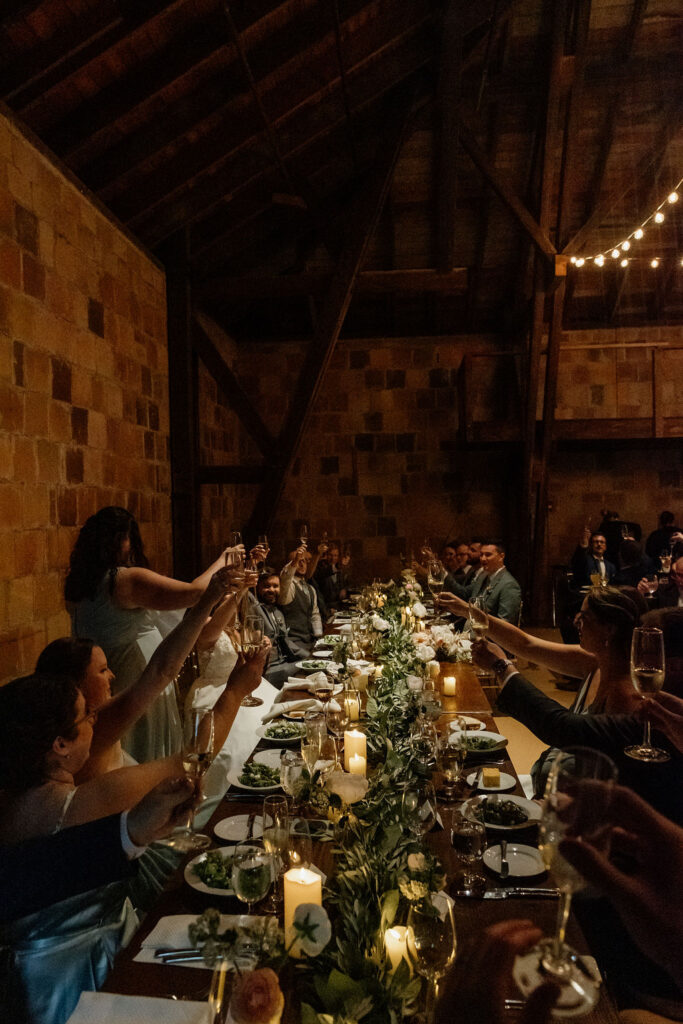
[
  {"x": 498, "y": 588},
  {"x": 589, "y": 559},
  {"x": 299, "y": 604},
  {"x": 284, "y": 654}
]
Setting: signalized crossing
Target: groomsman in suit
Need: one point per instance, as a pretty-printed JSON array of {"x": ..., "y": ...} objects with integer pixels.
[
  {"x": 589, "y": 559},
  {"x": 299, "y": 604},
  {"x": 500, "y": 591},
  {"x": 284, "y": 653}
]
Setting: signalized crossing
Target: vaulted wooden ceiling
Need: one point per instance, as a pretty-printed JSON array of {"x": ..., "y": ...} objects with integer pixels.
[{"x": 251, "y": 128}]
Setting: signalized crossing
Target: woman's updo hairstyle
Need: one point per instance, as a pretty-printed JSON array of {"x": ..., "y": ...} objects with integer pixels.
[
  {"x": 34, "y": 711},
  {"x": 620, "y": 609},
  {"x": 98, "y": 549},
  {"x": 68, "y": 656}
]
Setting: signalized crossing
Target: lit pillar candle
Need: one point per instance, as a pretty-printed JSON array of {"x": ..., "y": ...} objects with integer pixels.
[
  {"x": 354, "y": 744},
  {"x": 357, "y": 764},
  {"x": 301, "y": 886},
  {"x": 449, "y": 686},
  {"x": 352, "y": 703},
  {"x": 378, "y": 671},
  {"x": 396, "y": 945},
  {"x": 361, "y": 681},
  {"x": 434, "y": 669}
]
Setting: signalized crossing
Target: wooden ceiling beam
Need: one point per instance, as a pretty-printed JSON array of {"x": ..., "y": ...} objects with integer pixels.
[
  {"x": 570, "y": 165},
  {"x": 378, "y": 282},
  {"x": 361, "y": 222},
  {"x": 446, "y": 158},
  {"x": 208, "y": 338}
]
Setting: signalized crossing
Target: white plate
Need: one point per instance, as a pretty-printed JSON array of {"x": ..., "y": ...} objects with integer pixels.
[
  {"x": 500, "y": 743},
  {"x": 196, "y": 882},
  {"x": 473, "y": 724},
  {"x": 297, "y": 715},
  {"x": 269, "y": 757},
  {"x": 524, "y": 861},
  {"x": 234, "y": 781},
  {"x": 261, "y": 733},
  {"x": 309, "y": 665},
  {"x": 506, "y": 782},
  {"x": 532, "y": 809},
  {"x": 234, "y": 829},
  {"x": 322, "y": 653}
]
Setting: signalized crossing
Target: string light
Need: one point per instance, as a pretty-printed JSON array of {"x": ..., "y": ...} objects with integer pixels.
[{"x": 657, "y": 216}]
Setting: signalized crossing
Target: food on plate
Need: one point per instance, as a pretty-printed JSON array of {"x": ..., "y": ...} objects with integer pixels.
[
  {"x": 215, "y": 870},
  {"x": 490, "y": 776},
  {"x": 493, "y": 811},
  {"x": 284, "y": 731},
  {"x": 480, "y": 743},
  {"x": 315, "y": 666},
  {"x": 254, "y": 774}
]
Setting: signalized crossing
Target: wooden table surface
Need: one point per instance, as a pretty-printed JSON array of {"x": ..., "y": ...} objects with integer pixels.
[{"x": 471, "y": 915}]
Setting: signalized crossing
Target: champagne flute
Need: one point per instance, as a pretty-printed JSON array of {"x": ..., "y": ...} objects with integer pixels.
[
  {"x": 418, "y": 807},
  {"x": 300, "y": 846},
  {"x": 252, "y": 872},
  {"x": 310, "y": 751},
  {"x": 291, "y": 770},
  {"x": 327, "y": 758},
  {"x": 575, "y": 806},
  {"x": 275, "y": 840},
  {"x": 315, "y": 724},
  {"x": 478, "y": 618},
  {"x": 303, "y": 535},
  {"x": 452, "y": 753},
  {"x": 197, "y": 756},
  {"x": 647, "y": 676},
  {"x": 436, "y": 577},
  {"x": 252, "y": 640},
  {"x": 432, "y": 944},
  {"x": 337, "y": 719},
  {"x": 262, "y": 541}
]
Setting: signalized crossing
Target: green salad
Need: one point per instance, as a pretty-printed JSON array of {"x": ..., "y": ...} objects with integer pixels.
[
  {"x": 284, "y": 731},
  {"x": 480, "y": 743},
  {"x": 500, "y": 812},
  {"x": 254, "y": 774},
  {"x": 315, "y": 666},
  {"x": 215, "y": 870}
]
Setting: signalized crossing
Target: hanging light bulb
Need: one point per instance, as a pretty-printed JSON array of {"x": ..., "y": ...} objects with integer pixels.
[
  {"x": 624, "y": 263},
  {"x": 615, "y": 254},
  {"x": 626, "y": 245},
  {"x": 654, "y": 263},
  {"x": 672, "y": 197},
  {"x": 638, "y": 233},
  {"x": 599, "y": 260},
  {"x": 659, "y": 217},
  {"x": 580, "y": 262},
  {"x": 572, "y": 259}
]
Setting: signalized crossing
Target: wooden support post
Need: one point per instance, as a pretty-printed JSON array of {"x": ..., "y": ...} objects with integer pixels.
[
  {"x": 362, "y": 220},
  {"x": 447, "y": 98},
  {"x": 183, "y": 407}
]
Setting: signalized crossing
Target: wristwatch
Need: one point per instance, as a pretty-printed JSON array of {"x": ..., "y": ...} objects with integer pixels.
[{"x": 501, "y": 666}]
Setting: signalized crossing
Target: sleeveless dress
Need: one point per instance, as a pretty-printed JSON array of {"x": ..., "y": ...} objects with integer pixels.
[
  {"x": 129, "y": 637},
  {"x": 49, "y": 957}
]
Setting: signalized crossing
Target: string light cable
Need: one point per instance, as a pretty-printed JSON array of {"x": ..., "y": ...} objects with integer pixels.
[{"x": 622, "y": 250}]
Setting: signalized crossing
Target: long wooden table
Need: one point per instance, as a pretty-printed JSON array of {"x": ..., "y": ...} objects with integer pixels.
[{"x": 471, "y": 915}]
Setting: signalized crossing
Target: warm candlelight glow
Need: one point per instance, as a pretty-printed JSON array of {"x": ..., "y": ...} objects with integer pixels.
[
  {"x": 449, "y": 686},
  {"x": 352, "y": 703},
  {"x": 361, "y": 681},
  {"x": 301, "y": 886},
  {"x": 396, "y": 945},
  {"x": 357, "y": 764},
  {"x": 355, "y": 744}
]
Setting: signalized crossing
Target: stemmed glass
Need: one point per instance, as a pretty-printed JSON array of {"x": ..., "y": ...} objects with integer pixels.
[
  {"x": 574, "y": 806},
  {"x": 418, "y": 807},
  {"x": 647, "y": 676},
  {"x": 275, "y": 840},
  {"x": 651, "y": 584},
  {"x": 337, "y": 718},
  {"x": 436, "y": 577},
  {"x": 262, "y": 542},
  {"x": 452, "y": 753},
  {"x": 252, "y": 640},
  {"x": 468, "y": 839},
  {"x": 432, "y": 945},
  {"x": 291, "y": 770},
  {"x": 665, "y": 560},
  {"x": 310, "y": 751},
  {"x": 478, "y": 618},
  {"x": 197, "y": 756},
  {"x": 252, "y": 872},
  {"x": 303, "y": 535}
]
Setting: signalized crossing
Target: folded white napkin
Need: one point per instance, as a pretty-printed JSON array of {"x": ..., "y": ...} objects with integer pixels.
[
  {"x": 345, "y": 627},
  {"x": 309, "y": 683},
  {"x": 283, "y": 708},
  {"x": 172, "y": 933},
  {"x": 111, "y": 1008}
]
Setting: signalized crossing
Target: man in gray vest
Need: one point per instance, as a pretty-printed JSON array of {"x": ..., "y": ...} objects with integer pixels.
[
  {"x": 299, "y": 603},
  {"x": 284, "y": 653}
]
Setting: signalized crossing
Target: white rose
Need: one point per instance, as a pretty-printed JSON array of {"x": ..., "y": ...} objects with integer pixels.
[
  {"x": 313, "y": 928},
  {"x": 425, "y": 652},
  {"x": 379, "y": 623},
  {"x": 417, "y": 861},
  {"x": 419, "y": 610},
  {"x": 349, "y": 788}
]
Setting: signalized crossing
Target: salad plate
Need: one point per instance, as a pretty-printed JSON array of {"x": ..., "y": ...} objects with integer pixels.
[
  {"x": 212, "y": 865},
  {"x": 504, "y": 813}
]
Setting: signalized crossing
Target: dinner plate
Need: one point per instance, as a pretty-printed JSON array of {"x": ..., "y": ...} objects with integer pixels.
[
  {"x": 532, "y": 809},
  {"x": 196, "y": 882},
  {"x": 297, "y": 715},
  {"x": 318, "y": 665},
  {"x": 506, "y": 782},
  {"x": 280, "y": 741},
  {"x": 269, "y": 757},
  {"x": 524, "y": 861},
  {"x": 500, "y": 742},
  {"x": 473, "y": 724},
  {"x": 234, "y": 829},
  {"x": 234, "y": 781}
]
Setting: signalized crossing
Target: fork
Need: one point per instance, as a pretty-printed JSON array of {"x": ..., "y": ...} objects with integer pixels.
[{"x": 504, "y": 865}]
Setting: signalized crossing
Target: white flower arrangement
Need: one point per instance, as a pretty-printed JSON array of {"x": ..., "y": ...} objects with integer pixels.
[
  {"x": 448, "y": 645},
  {"x": 313, "y": 928},
  {"x": 349, "y": 788},
  {"x": 379, "y": 624}
]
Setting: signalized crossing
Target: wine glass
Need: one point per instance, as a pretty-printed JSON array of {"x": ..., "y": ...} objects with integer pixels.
[
  {"x": 337, "y": 718},
  {"x": 665, "y": 560},
  {"x": 252, "y": 872},
  {"x": 197, "y": 755},
  {"x": 262, "y": 541},
  {"x": 468, "y": 839},
  {"x": 418, "y": 807},
  {"x": 275, "y": 840},
  {"x": 651, "y": 584},
  {"x": 647, "y": 675},
  {"x": 452, "y": 753},
  {"x": 310, "y": 751},
  {"x": 252, "y": 640},
  {"x": 574, "y": 806},
  {"x": 303, "y": 535},
  {"x": 431, "y": 944},
  {"x": 478, "y": 618},
  {"x": 436, "y": 577},
  {"x": 315, "y": 724},
  {"x": 291, "y": 770},
  {"x": 300, "y": 845},
  {"x": 323, "y": 689}
]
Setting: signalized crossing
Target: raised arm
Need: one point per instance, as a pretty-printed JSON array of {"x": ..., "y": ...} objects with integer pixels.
[
  {"x": 119, "y": 790},
  {"x": 313, "y": 564},
  {"x": 135, "y": 587},
  {"x": 119, "y": 715},
  {"x": 287, "y": 578},
  {"x": 570, "y": 659},
  {"x": 243, "y": 680}
]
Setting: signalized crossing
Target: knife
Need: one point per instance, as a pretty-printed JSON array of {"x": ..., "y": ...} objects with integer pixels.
[
  {"x": 178, "y": 956},
  {"x": 503, "y": 894},
  {"x": 250, "y": 824}
]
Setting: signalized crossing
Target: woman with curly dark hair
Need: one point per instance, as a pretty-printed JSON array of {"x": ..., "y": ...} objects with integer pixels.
[{"x": 112, "y": 595}]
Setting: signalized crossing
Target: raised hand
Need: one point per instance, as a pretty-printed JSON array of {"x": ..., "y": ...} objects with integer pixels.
[
  {"x": 163, "y": 809},
  {"x": 247, "y": 673},
  {"x": 485, "y": 654},
  {"x": 665, "y": 712}
]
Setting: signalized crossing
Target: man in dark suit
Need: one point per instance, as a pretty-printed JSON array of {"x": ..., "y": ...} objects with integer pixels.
[
  {"x": 43, "y": 871},
  {"x": 589, "y": 560},
  {"x": 498, "y": 588}
]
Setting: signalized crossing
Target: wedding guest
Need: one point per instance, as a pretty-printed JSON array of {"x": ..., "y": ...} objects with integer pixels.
[
  {"x": 589, "y": 560},
  {"x": 665, "y": 712},
  {"x": 283, "y": 656},
  {"x": 669, "y": 593},
  {"x": 299, "y": 604},
  {"x": 660, "y": 539},
  {"x": 632, "y": 565},
  {"x": 497, "y": 588},
  {"x": 331, "y": 575},
  {"x": 112, "y": 595},
  {"x": 670, "y": 621},
  {"x": 455, "y": 560}
]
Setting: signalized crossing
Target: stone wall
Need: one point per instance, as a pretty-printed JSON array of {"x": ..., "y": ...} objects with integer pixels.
[{"x": 83, "y": 390}]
